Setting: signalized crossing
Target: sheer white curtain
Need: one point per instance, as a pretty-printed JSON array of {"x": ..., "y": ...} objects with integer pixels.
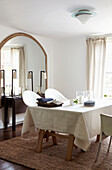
[
  {"x": 21, "y": 64},
  {"x": 96, "y": 52},
  {"x": 12, "y": 58},
  {"x": 22, "y": 69}
]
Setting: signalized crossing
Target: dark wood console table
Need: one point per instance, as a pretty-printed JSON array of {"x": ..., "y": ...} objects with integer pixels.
[
  {"x": 41, "y": 94},
  {"x": 18, "y": 106}
]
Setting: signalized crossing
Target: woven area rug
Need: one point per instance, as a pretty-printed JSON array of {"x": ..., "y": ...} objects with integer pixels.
[{"x": 22, "y": 151}]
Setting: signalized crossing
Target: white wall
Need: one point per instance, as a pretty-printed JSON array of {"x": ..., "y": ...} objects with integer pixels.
[
  {"x": 69, "y": 66},
  {"x": 66, "y": 63}
]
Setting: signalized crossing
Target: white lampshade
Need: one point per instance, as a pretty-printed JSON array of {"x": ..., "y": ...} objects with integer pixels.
[
  {"x": 44, "y": 76},
  {"x": 1, "y": 74},
  {"x": 14, "y": 75},
  {"x": 29, "y": 76}
]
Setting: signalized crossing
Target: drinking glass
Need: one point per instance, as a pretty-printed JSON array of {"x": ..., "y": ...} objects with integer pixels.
[
  {"x": 89, "y": 95},
  {"x": 80, "y": 96}
]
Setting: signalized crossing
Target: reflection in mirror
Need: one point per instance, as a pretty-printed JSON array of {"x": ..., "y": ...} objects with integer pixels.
[{"x": 25, "y": 55}]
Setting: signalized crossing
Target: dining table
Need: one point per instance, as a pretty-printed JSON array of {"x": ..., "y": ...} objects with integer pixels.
[{"x": 79, "y": 123}]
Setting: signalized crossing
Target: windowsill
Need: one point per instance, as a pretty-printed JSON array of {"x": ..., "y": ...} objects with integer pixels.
[{"x": 108, "y": 98}]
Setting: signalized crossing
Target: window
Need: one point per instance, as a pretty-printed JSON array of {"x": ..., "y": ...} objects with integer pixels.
[{"x": 9, "y": 61}]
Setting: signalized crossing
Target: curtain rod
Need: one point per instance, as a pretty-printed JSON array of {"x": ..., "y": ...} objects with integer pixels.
[
  {"x": 100, "y": 36},
  {"x": 13, "y": 46}
]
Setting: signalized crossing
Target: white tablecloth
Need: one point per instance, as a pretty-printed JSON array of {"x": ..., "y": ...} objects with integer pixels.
[{"x": 83, "y": 122}]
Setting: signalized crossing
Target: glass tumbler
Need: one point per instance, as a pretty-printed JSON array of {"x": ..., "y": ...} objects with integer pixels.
[{"x": 80, "y": 96}]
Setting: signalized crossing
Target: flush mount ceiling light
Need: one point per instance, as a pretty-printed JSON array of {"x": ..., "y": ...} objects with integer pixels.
[{"x": 83, "y": 15}]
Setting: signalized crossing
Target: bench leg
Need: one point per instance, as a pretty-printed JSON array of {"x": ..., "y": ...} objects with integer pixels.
[
  {"x": 54, "y": 140},
  {"x": 97, "y": 138},
  {"x": 40, "y": 140},
  {"x": 70, "y": 148},
  {"x": 47, "y": 139}
]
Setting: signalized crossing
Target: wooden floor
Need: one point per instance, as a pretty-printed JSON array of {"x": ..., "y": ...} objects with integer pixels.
[{"x": 6, "y": 134}]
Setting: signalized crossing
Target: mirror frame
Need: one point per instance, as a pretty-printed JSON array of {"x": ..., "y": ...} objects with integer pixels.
[{"x": 26, "y": 35}]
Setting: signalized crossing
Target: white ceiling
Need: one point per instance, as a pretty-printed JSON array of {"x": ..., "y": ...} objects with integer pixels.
[{"x": 53, "y": 17}]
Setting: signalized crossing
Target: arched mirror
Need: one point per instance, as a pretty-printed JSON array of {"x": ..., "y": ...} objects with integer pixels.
[{"x": 22, "y": 55}]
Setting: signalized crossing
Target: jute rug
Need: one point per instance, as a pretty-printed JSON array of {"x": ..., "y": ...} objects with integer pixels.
[{"x": 22, "y": 151}]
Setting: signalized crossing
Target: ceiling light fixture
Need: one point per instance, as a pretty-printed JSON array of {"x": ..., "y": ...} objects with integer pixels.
[{"x": 83, "y": 15}]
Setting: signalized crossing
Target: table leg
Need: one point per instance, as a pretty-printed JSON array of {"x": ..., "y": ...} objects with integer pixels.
[
  {"x": 54, "y": 139},
  {"x": 6, "y": 115},
  {"x": 40, "y": 140},
  {"x": 70, "y": 147},
  {"x": 97, "y": 138},
  {"x": 47, "y": 139},
  {"x": 13, "y": 116}
]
